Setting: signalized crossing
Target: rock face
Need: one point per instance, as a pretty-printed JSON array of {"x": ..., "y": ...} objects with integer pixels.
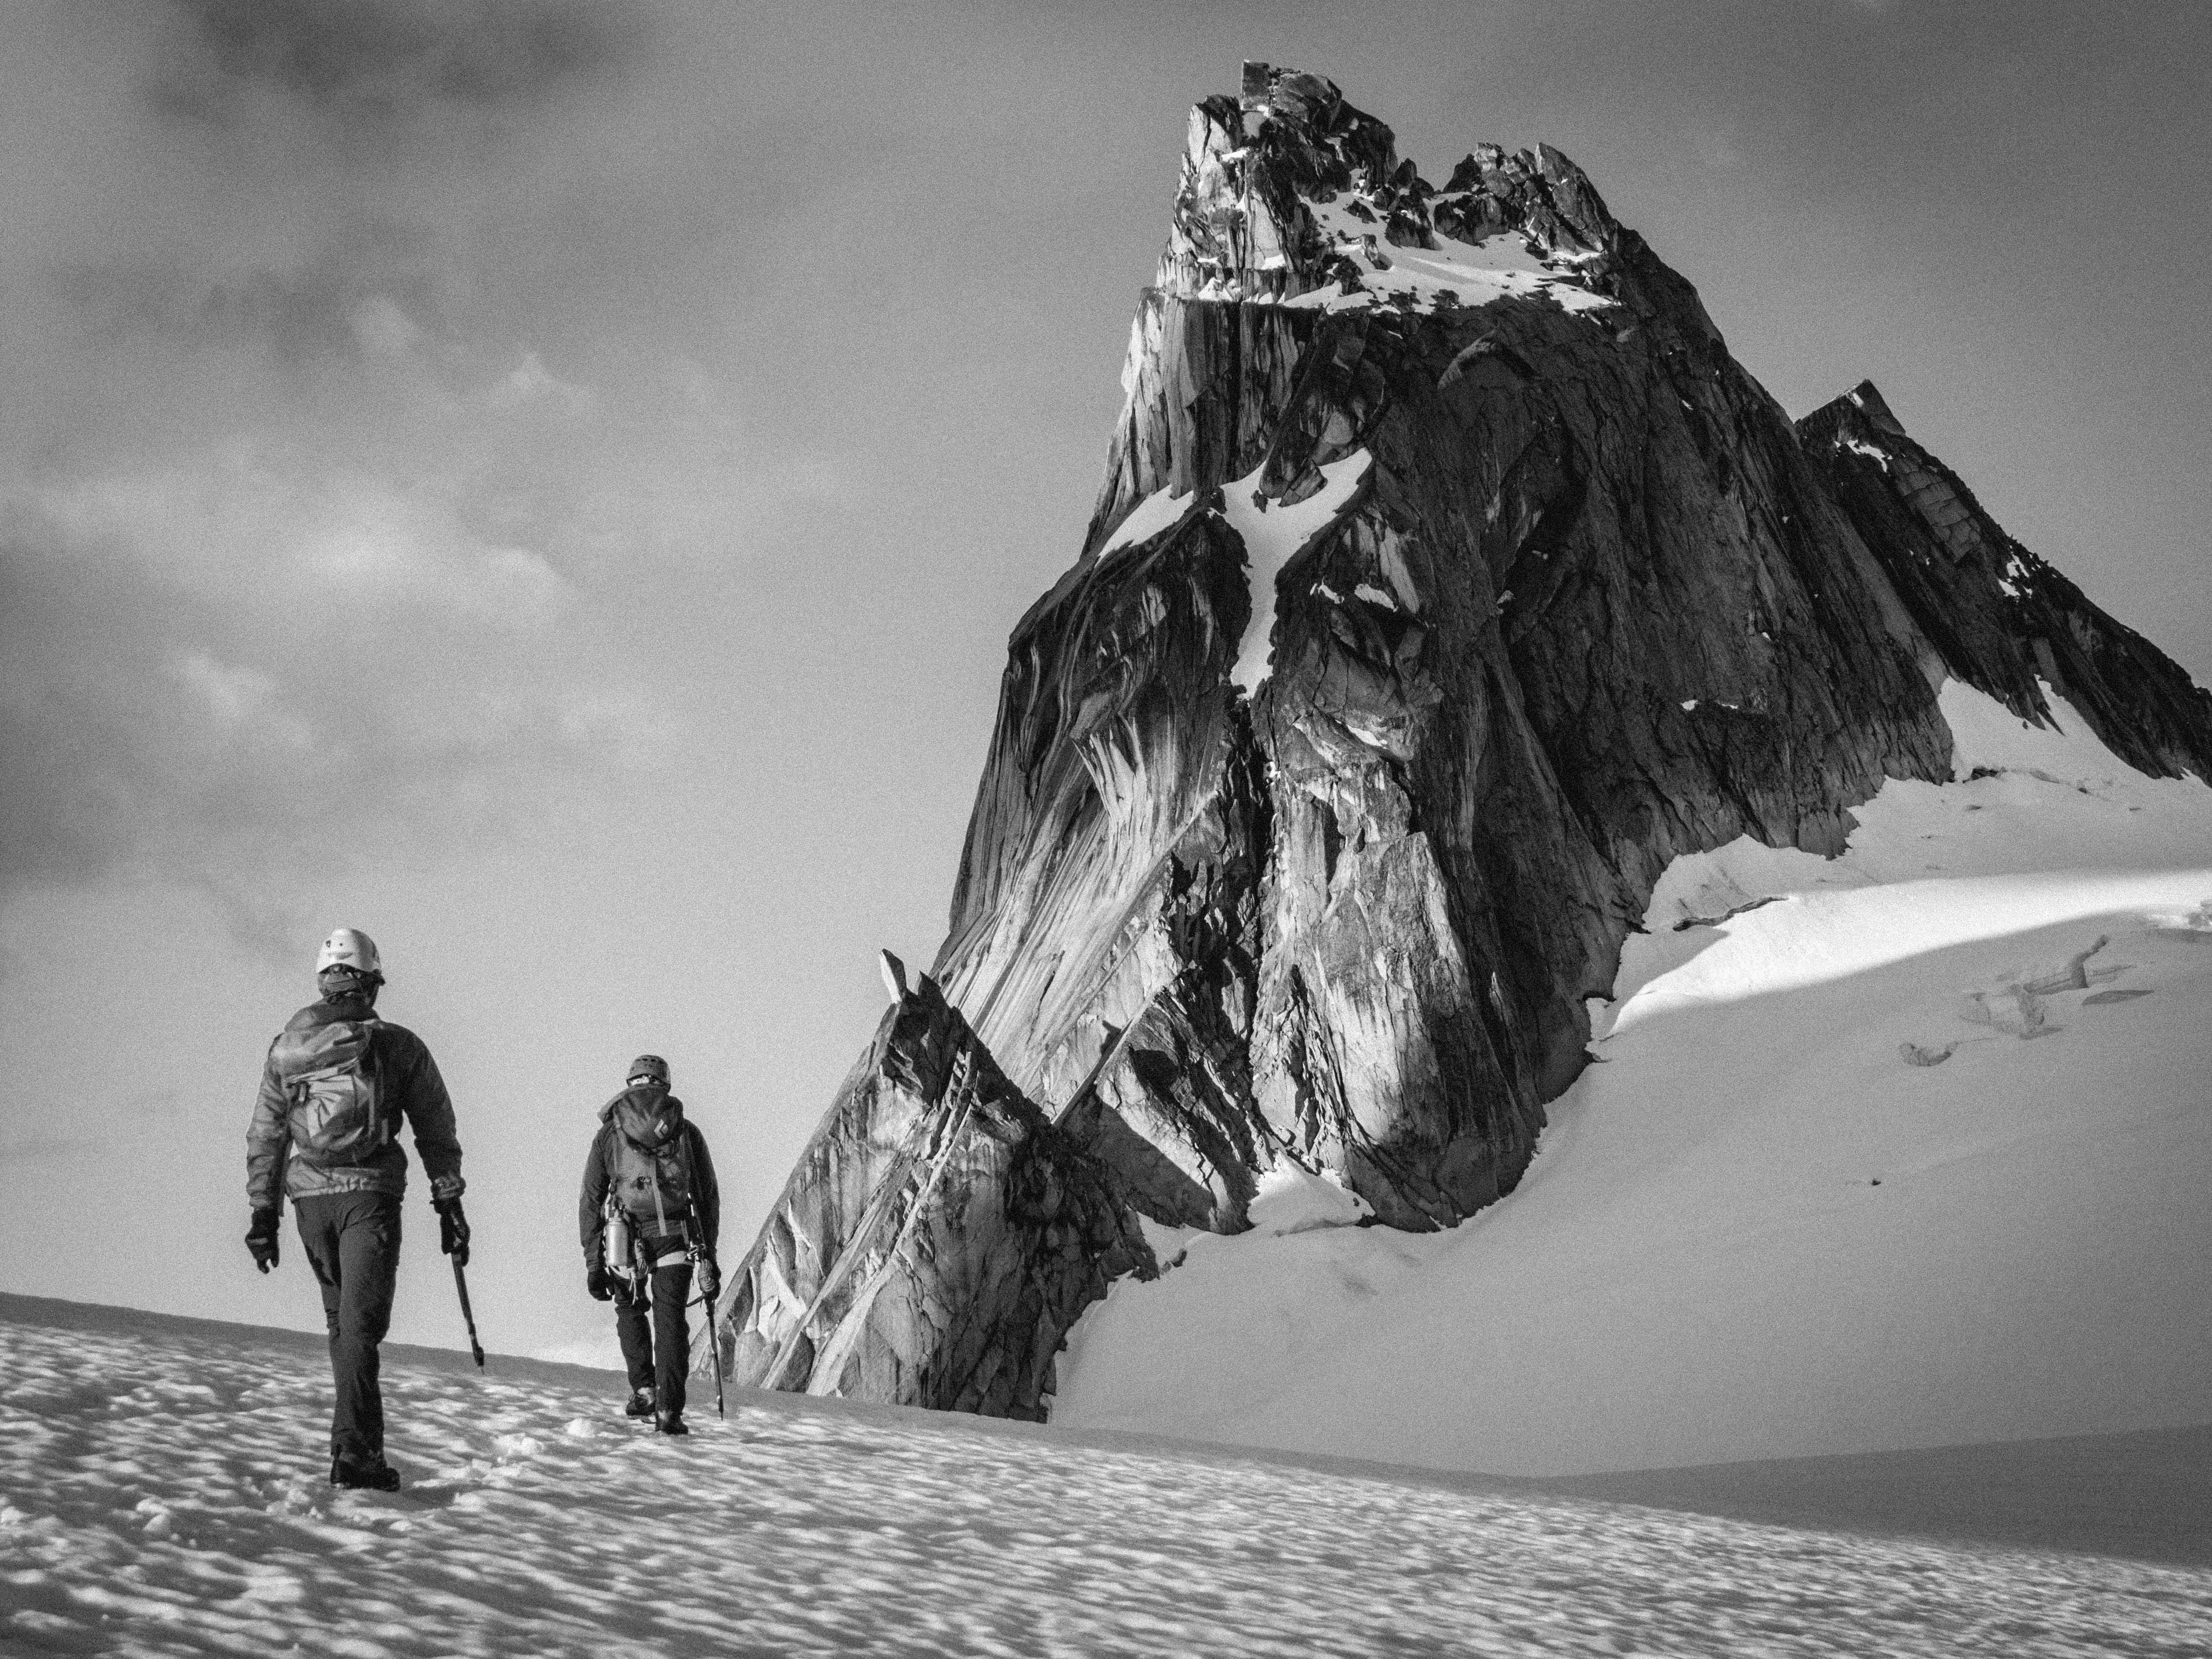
[
  {"x": 937, "y": 1239},
  {"x": 1449, "y": 579}
]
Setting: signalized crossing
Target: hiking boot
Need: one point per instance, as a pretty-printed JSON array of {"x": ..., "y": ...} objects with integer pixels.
[
  {"x": 370, "y": 1473},
  {"x": 669, "y": 1423},
  {"x": 641, "y": 1404}
]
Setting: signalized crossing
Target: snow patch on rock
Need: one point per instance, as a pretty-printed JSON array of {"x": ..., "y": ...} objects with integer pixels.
[
  {"x": 1411, "y": 278},
  {"x": 1292, "y": 1199},
  {"x": 1987, "y": 735},
  {"x": 1160, "y": 511},
  {"x": 1273, "y": 534}
]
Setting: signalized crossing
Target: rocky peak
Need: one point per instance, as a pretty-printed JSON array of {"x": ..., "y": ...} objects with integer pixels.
[
  {"x": 1432, "y": 604},
  {"x": 1290, "y": 194},
  {"x": 1288, "y": 191}
]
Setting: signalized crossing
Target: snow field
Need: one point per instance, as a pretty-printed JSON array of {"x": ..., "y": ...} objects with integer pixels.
[
  {"x": 1907, "y": 1148},
  {"x": 160, "y": 1493}
]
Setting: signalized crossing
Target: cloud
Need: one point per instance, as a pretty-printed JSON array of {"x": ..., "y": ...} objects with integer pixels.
[
  {"x": 531, "y": 381},
  {"x": 382, "y": 329},
  {"x": 355, "y": 475},
  {"x": 244, "y": 684},
  {"x": 383, "y": 62}
]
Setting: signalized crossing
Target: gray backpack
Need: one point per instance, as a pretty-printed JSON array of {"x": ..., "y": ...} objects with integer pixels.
[{"x": 330, "y": 1074}]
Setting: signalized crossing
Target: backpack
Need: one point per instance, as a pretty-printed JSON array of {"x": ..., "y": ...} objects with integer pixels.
[
  {"x": 649, "y": 1161},
  {"x": 336, "y": 1114}
]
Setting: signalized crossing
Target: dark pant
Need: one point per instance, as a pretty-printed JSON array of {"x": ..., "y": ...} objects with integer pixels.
[
  {"x": 659, "y": 1355},
  {"x": 352, "y": 1241}
]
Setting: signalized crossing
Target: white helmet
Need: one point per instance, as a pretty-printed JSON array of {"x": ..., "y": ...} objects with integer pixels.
[{"x": 349, "y": 947}]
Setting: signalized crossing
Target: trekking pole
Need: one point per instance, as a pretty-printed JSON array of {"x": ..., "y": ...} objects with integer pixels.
[{"x": 461, "y": 1284}]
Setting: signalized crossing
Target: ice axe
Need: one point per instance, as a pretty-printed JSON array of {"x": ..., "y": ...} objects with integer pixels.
[{"x": 468, "y": 1316}]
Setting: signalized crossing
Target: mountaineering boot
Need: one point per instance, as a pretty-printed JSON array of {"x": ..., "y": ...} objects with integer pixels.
[
  {"x": 371, "y": 1474},
  {"x": 669, "y": 1423},
  {"x": 641, "y": 1404}
]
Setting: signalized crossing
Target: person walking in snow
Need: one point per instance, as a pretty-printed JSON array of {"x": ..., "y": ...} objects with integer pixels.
[
  {"x": 649, "y": 1211},
  {"x": 336, "y": 1084}
]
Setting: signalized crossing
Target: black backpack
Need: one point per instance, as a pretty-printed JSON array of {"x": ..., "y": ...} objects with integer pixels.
[{"x": 649, "y": 1160}]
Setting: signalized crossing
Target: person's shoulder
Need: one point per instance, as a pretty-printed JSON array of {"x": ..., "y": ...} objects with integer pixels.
[{"x": 398, "y": 1040}]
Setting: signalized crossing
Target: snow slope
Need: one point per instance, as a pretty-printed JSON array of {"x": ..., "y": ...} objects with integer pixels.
[
  {"x": 160, "y": 1493},
  {"x": 1907, "y": 1148}
]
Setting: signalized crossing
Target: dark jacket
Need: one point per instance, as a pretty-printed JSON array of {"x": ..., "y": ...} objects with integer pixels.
[
  {"x": 407, "y": 1085},
  {"x": 653, "y": 1119}
]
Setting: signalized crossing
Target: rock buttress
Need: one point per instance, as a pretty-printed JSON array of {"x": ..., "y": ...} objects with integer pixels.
[{"x": 936, "y": 1241}]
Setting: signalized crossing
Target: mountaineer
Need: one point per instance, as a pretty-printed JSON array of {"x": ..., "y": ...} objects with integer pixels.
[
  {"x": 650, "y": 1213},
  {"x": 338, "y": 1083}
]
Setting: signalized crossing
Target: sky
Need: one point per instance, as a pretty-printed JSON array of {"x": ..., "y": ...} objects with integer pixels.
[{"x": 551, "y": 483}]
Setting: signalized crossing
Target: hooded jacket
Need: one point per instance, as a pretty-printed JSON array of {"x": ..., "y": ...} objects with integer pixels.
[
  {"x": 407, "y": 1087},
  {"x": 652, "y": 1120}
]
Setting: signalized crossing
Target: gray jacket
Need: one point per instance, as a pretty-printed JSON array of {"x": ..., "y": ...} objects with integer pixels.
[{"x": 406, "y": 1086}]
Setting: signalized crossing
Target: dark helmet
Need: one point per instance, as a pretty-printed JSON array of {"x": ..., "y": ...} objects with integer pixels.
[{"x": 648, "y": 1069}]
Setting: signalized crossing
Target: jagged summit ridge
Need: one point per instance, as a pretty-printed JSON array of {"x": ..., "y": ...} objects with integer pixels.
[
  {"x": 1428, "y": 612},
  {"x": 1289, "y": 189},
  {"x": 1291, "y": 194}
]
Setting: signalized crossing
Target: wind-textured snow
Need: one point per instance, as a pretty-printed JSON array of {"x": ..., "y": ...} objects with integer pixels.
[
  {"x": 1910, "y": 1148},
  {"x": 159, "y": 1494}
]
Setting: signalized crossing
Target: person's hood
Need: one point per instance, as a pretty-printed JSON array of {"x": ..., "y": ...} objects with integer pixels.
[{"x": 647, "y": 1115}]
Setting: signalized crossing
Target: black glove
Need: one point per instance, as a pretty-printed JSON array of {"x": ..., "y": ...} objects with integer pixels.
[
  {"x": 452, "y": 1229},
  {"x": 598, "y": 1282},
  {"x": 261, "y": 1238},
  {"x": 710, "y": 1278}
]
